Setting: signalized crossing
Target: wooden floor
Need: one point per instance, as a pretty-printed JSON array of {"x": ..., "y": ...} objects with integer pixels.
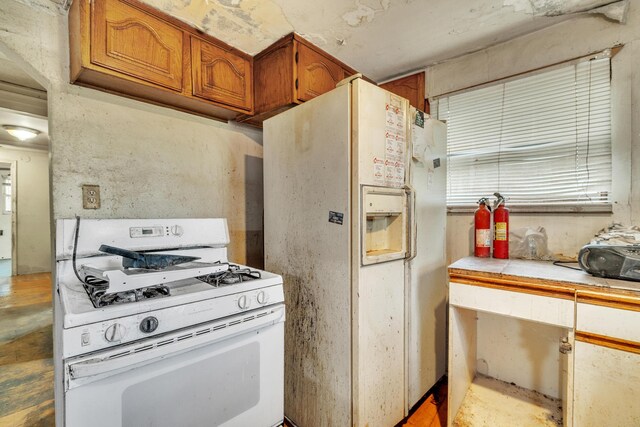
[
  {"x": 432, "y": 412},
  {"x": 26, "y": 347}
]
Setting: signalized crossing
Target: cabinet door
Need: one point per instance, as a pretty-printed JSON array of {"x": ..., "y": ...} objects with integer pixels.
[
  {"x": 219, "y": 75},
  {"x": 346, "y": 73},
  {"x": 317, "y": 74},
  {"x": 606, "y": 386},
  {"x": 129, "y": 41},
  {"x": 410, "y": 87}
]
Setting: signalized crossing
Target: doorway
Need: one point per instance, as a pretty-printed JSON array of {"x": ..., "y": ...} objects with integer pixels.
[
  {"x": 26, "y": 319},
  {"x": 7, "y": 192},
  {"x": 25, "y": 232}
]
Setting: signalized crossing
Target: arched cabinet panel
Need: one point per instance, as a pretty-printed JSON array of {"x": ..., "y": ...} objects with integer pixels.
[
  {"x": 219, "y": 75},
  {"x": 127, "y": 40},
  {"x": 317, "y": 74}
]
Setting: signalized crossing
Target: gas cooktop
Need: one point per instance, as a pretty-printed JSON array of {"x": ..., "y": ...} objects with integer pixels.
[{"x": 101, "y": 297}]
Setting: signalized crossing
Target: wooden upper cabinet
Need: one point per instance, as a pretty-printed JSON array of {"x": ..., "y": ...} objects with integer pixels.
[
  {"x": 410, "y": 87},
  {"x": 220, "y": 75},
  {"x": 129, "y": 48},
  {"x": 273, "y": 79},
  {"x": 317, "y": 73},
  {"x": 127, "y": 40},
  {"x": 289, "y": 72}
]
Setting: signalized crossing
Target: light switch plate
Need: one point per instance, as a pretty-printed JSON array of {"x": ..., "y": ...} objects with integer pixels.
[{"x": 91, "y": 196}]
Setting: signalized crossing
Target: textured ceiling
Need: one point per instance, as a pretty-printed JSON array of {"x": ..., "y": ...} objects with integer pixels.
[
  {"x": 11, "y": 73},
  {"x": 381, "y": 38}
]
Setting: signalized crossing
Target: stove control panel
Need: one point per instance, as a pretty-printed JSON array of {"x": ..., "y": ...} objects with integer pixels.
[{"x": 84, "y": 339}]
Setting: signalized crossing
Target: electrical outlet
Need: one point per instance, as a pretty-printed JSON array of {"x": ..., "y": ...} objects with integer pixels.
[{"x": 91, "y": 196}]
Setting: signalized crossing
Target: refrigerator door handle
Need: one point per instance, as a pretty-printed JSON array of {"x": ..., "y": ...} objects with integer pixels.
[{"x": 412, "y": 235}]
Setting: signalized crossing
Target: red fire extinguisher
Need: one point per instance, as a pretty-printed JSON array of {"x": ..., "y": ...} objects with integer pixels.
[
  {"x": 482, "y": 229},
  {"x": 501, "y": 229}
]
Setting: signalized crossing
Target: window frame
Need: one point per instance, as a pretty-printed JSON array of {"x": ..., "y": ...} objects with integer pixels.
[
  {"x": 7, "y": 193},
  {"x": 567, "y": 208}
]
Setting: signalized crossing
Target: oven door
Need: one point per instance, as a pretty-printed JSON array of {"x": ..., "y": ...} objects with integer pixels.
[{"x": 225, "y": 373}]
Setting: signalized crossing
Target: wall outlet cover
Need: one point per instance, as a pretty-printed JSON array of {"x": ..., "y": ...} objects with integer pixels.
[{"x": 91, "y": 196}]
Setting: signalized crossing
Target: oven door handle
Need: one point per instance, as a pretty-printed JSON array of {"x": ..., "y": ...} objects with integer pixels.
[{"x": 93, "y": 368}]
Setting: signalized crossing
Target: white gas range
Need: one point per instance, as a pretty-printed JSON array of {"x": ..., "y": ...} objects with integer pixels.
[{"x": 184, "y": 338}]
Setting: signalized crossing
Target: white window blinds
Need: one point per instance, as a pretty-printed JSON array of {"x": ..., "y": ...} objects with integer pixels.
[{"x": 544, "y": 139}]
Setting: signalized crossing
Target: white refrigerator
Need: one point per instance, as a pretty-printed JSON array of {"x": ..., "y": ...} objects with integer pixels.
[{"x": 354, "y": 222}]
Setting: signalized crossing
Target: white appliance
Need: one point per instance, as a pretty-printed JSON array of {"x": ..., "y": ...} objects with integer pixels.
[
  {"x": 355, "y": 225},
  {"x": 194, "y": 344},
  {"x": 427, "y": 272}
]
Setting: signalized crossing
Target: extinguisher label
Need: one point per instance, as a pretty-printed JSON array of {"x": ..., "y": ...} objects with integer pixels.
[
  {"x": 501, "y": 231},
  {"x": 483, "y": 238}
]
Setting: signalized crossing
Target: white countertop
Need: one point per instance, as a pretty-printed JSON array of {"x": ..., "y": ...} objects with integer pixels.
[{"x": 542, "y": 271}]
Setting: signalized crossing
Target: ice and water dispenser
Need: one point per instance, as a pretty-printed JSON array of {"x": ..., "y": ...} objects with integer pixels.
[{"x": 384, "y": 216}]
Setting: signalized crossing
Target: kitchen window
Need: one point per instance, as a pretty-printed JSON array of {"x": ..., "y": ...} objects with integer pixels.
[{"x": 543, "y": 140}]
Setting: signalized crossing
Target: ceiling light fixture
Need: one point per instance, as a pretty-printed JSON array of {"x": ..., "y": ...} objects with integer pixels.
[{"x": 20, "y": 132}]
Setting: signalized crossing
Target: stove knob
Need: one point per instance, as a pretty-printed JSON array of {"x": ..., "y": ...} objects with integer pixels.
[
  {"x": 243, "y": 302},
  {"x": 262, "y": 298},
  {"x": 176, "y": 230},
  {"x": 115, "y": 332},
  {"x": 149, "y": 324}
]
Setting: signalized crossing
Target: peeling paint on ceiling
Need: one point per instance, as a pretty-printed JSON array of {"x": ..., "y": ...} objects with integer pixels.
[
  {"x": 612, "y": 9},
  {"x": 249, "y": 25},
  {"x": 380, "y": 38},
  {"x": 364, "y": 13}
]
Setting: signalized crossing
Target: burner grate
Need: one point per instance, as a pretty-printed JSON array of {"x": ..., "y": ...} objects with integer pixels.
[
  {"x": 233, "y": 275},
  {"x": 100, "y": 298}
]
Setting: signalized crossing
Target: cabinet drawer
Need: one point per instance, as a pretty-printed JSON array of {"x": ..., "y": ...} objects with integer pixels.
[
  {"x": 132, "y": 42},
  {"x": 220, "y": 75},
  {"x": 538, "y": 308},
  {"x": 611, "y": 316}
]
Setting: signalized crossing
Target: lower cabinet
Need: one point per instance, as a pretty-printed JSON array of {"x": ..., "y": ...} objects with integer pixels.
[
  {"x": 606, "y": 386},
  {"x": 542, "y": 356},
  {"x": 607, "y": 360},
  {"x": 509, "y": 357}
]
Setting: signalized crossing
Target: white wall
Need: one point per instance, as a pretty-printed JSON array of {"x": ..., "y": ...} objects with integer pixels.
[
  {"x": 563, "y": 41},
  {"x": 33, "y": 247},
  {"x": 149, "y": 161}
]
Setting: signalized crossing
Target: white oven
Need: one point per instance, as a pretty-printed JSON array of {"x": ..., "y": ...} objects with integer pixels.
[
  {"x": 155, "y": 327},
  {"x": 223, "y": 373}
]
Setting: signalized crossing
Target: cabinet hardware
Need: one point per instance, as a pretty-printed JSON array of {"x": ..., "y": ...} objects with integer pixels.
[
  {"x": 296, "y": 83},
  {"x": 565, "y": 346},
  {"x": 296, "y": 57}
]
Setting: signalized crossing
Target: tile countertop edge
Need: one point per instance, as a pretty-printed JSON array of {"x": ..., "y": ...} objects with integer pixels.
[{"x": 540, "y": 273}]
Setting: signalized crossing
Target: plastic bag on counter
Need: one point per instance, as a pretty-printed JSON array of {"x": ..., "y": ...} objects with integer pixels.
[{"x": 528, "y": 243}]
